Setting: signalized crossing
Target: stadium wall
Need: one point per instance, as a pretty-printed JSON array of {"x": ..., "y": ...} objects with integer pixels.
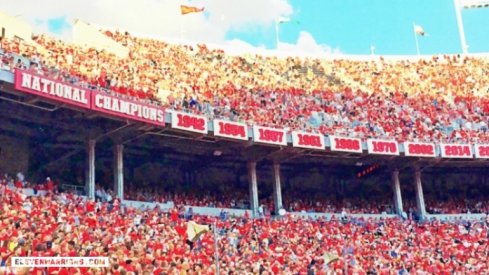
[
  {"x": 14, "y": 155},
  {"x": 12, "y": 27},
  {"x": 85, "y": 35}
]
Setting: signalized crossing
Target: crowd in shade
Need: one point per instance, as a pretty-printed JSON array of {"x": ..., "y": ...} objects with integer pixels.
[
  {"x": 441, "y": 99},
  {"x": 186, "y": 197},
  {"x": 293, "y": 201},
  {"x": 297, "y": 202},
  {"x": 454, "y": 202},
  {"x": 153, "y": 241},
  {"x": 456, "y": 206}
]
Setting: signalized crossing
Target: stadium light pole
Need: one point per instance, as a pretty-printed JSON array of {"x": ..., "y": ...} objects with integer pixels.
[
  {"x": 467, "y": 4},
  {"x": 279, "y": 21},
  {"x": 460, "y": 24},
  {"x": 277, "y": 32}
]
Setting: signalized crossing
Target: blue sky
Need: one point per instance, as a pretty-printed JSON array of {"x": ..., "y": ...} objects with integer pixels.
[
  {"x": 350, "y": 26},
  {"x": 354, "y": 25}
]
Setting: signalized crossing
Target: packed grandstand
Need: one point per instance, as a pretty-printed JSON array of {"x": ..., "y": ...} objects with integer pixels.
[{"x": 441, "y": 99}]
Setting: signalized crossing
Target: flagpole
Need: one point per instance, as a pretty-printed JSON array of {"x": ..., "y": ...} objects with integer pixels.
[
  {"x": 416, "y": 38},
  {"x": 276, "y": 32},
  {"x": 181, "y": 28},
  {"x": 460, "y": 24},
  {"x": 216, "y": 253}
]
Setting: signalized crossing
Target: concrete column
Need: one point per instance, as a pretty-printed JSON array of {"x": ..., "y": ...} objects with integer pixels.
[
  {"x": 419, "y": 194},
  {"x": 396, "y": 187},
  {"x": 277, "y": 188},
  {"x": 90, "y": 179},
  {"x": 253, "y": 186},
  {"x": 119, "y": 171}
]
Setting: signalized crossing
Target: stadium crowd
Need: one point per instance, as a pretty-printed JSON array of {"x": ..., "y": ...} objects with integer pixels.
[
  {"x": 194, "y": 197},
  {"x": 442, "y": 99},
  {"x": 455, "y": 206},
  {"x": 452, "y": 202},
  {"x": 292, "y": 201},
  {"x": 152, "y": 241}
]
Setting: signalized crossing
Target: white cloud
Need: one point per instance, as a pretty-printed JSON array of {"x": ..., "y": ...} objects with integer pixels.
[
  {"x": 162, "y": 19},
  {"x": 238, "y": 46},
  {"x": 307, "y": 45},
  {"x": 239, "y": 14}
]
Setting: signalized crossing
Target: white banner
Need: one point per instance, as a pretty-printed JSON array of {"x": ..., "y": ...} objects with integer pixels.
[
  {"x": 189, "y": 122},
  {"x": 416, "y": 149},
  {"x": 230, "y": 129},
  {"x": 307, "y": 140},
  {"x": 382, "y": 147},
  {"x": 463, "y": 151},
  {"x": 29, "y": 82},
  {"x": 129, "y": 109},
  {"x": 482, "y": 151},
  {"x": 345, "y": 144},
  {"x": 269, "y": 135}
]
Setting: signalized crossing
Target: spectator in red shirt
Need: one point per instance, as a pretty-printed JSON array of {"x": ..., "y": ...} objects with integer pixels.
[{"x": 49, "y": 184}]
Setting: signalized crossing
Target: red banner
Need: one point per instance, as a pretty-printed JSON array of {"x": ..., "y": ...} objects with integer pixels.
[
  {"x": 482, "y": 151},
  {"x": 307, "y": 140},
  {"x": 382, "y": 147},
  {"x": 229, "y": 129},
  {"x": 32, "y": 83},
  {"x": 456, "y": 150},
  {"x": 415, "y": 149},
  {"x": 269, "y": 135},
  {"x": 189, "y": 122},
  {"x": 126, "y": 108},
  {"x": 344, "y": 144}
]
